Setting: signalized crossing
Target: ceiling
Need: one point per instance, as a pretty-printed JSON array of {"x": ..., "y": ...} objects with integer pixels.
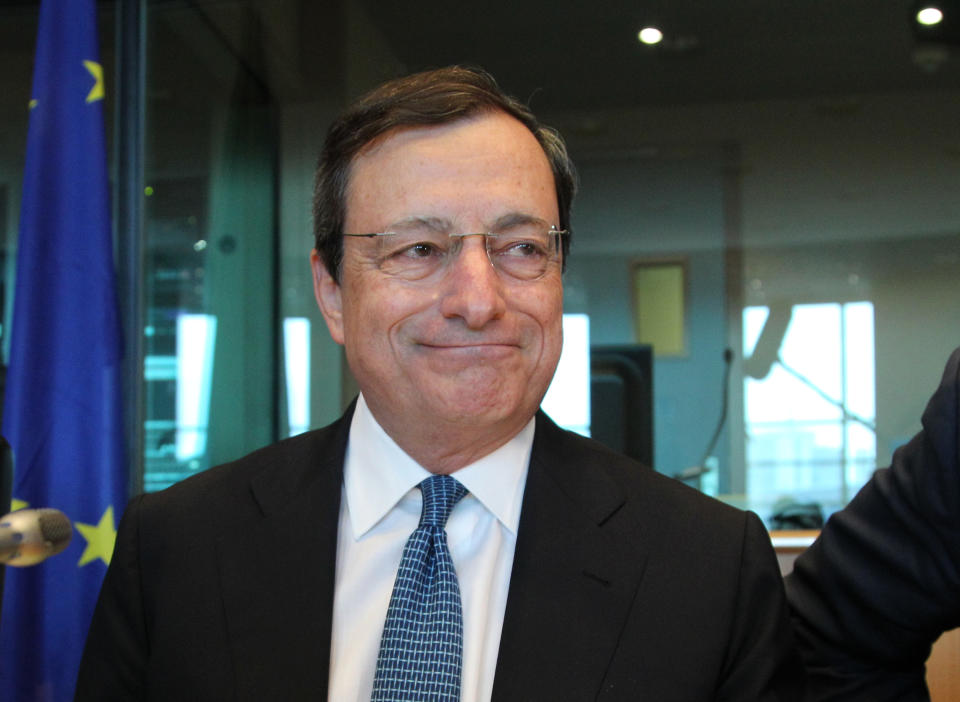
[
  {"x": 586, "y": 55},
  {"x": 562, "y": 54}
]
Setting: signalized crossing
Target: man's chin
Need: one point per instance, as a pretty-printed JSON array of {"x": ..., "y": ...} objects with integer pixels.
[{"x": 483, "y": 408}]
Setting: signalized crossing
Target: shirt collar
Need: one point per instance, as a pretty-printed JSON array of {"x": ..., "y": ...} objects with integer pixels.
[{"x": 378, "y": 473}]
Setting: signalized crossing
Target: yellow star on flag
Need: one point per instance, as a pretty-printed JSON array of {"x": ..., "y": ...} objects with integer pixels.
[
  {"x": 100, "y": 539},
  {"x": 96, "y": 70},
  {"x": 16, "y": 504}
]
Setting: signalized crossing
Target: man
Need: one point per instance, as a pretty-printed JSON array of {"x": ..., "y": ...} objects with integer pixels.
[
  {"x": 882, "y": 581},
  {"x": 440, "y": 211}
]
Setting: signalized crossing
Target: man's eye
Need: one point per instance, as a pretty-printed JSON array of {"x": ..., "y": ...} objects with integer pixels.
[
  {"x": 523, "y": 249},
  {"x": 421, "y": 249}
]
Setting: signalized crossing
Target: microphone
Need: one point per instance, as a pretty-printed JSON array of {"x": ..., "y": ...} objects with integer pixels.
[{"x": 29, "y": 536}]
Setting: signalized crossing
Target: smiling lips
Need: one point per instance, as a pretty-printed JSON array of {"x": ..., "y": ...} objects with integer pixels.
[{"x": 489, "y": 350}]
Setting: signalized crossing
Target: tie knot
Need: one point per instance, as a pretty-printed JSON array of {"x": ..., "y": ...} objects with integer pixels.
[{"x": 440, "y": 494}]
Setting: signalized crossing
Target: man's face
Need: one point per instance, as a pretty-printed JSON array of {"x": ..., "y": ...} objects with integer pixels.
[{"x": 471, "y": 348}]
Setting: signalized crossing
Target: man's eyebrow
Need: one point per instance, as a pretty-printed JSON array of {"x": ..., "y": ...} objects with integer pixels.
[
  {"x": 443, "y": 225},
  {"x": 514, "y": 219}
]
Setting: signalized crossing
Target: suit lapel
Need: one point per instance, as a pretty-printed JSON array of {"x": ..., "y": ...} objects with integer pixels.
[
  {"x": 278, "y": 577},
  {"x": 575, "y": 575}
]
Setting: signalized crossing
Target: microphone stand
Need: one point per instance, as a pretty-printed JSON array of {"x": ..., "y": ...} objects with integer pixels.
[{"x": 694, "y": 472}]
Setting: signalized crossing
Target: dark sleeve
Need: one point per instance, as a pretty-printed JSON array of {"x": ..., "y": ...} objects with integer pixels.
[
  {"x": 883, "y": 580},
  {"x": 114, "y": 658},
  {"x": 762, "y": 661}
]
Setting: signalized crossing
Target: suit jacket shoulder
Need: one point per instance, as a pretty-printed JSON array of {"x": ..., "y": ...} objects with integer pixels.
[
  {"x": 630, "y": 585},
  {"x": 221, "y": 587}
]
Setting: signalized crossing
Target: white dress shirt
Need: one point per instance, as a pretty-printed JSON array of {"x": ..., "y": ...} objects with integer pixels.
[{"x": 379, "y": 509}]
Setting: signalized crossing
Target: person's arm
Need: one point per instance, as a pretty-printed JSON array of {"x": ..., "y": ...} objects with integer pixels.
[
  {"x": 882, "y": 582},
  {"x": 115, "y": 655}
]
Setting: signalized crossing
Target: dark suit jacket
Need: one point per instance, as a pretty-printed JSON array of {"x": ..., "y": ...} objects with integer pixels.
[
  {"x": 626, "y": 586},
  {"x": 883, "y": 580}
]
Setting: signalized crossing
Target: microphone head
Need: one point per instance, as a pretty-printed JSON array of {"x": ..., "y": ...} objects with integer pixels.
[{"x": 28, "y": 536}]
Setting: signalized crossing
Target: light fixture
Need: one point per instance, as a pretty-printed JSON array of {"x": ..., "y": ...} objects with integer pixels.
[
  {"x": 929, "y": 15},
  {"x": 936, "y": 29},
  {"x": 650, "y": 35}
]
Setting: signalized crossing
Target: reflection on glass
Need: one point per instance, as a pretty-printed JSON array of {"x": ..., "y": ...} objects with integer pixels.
[
  {"x": 296, "y": 358},
  {"x": 196, "y": 338}
]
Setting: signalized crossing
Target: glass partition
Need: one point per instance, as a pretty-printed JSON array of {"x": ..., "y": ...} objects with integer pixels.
[
  {"x": 211, "y": 329},
  {"x": 794, "y": 178}
]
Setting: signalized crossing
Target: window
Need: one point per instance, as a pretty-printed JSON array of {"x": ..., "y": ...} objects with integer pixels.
[{"x": 810, "y": 405}]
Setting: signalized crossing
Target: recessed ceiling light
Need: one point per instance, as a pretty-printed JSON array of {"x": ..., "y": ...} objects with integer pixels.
[
  {"x": 650, "y": 35},
  {"x": 929, "y": 16}
]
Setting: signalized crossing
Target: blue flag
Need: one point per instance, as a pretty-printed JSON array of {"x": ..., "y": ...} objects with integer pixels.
[{"x": 62, "y": 409}]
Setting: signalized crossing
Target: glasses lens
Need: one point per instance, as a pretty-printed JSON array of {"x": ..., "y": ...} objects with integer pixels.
[
  {"x": 415, "y": 252},
  {"x": 525, "y": 253}
]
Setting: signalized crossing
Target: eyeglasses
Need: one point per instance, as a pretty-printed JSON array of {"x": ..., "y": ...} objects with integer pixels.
[{"x": 419, "y": 251}]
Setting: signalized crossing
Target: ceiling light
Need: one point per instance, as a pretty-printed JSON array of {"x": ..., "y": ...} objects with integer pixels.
[
  {"x": 929, "y": 16},
  {"x": 650, "y": 35}
]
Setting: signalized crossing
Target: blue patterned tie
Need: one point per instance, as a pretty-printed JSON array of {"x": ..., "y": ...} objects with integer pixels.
[{"x": 422, "y": 644}]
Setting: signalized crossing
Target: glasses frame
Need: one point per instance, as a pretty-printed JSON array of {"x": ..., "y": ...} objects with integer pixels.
[{"x": 560, "y": 237}]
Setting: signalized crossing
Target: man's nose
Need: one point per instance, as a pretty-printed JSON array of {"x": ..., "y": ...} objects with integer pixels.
[{"x": 473, "y": 290}]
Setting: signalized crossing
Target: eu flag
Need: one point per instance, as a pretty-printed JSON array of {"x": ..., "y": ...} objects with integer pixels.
[{"x": 62, "y": 410}]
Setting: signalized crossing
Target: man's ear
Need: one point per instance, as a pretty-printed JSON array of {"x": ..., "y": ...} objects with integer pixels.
[{"x": 327, "y": 292}]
